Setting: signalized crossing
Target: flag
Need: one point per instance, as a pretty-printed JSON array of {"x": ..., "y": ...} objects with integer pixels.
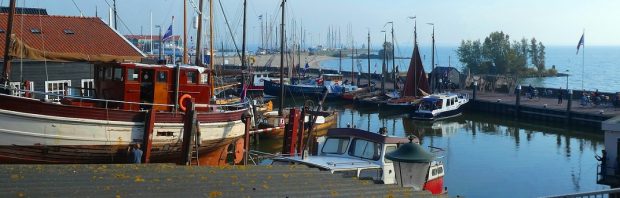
[
  {"x": 580, "y": 43},
  {"x": 168, "y": 34},
  {"x": 260, "y": 17},
  {"x": 303, "y": 73}
]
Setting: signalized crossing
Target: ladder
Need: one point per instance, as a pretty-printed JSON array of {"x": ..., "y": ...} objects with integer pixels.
[{"x": 193, "y": 160}]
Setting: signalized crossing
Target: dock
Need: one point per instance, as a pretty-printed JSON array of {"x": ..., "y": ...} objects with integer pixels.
[
  {"x": 544, "y": 109},
  {"x": 168, "y": 180}
]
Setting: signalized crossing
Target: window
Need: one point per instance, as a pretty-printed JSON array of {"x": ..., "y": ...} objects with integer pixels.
[
  {"x": 162, "y": 76},
  {"x": 204, "y": 78},
  {"x": 335, "y": 145},
  {"x": 389, "y": 149},
  {"x": 35, "y": 30},
  {"x": 88, "y": 87},
  {"x": 365, "y": 149},
  {"x": 20, "y": 87},
  {"x": 57, "y": 88},
  {"x": 191, "y": 77},
  {"x": 68, "y": 31},
  {"x": 108, "y": 73},
  {"x": 118, "y": 74},
  {"x": 132, "y": 74}
]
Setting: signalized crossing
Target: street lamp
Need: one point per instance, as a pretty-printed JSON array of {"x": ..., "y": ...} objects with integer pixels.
[
  {"x": 567, "y": 78},
  {"x": 160, "y": 43}
]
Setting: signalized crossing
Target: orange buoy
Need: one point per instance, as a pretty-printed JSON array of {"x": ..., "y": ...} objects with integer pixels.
[{"x": 181, "y": 103}]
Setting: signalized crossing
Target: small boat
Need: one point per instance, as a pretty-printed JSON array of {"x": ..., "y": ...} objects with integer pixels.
[
  {"x": 258, "y": 81},
  {"x": 272, "y": 120},
  {"x": 362, "y": 154},
  {"x": 440, "y": 106},
  {"x": 308, "y": 87}
]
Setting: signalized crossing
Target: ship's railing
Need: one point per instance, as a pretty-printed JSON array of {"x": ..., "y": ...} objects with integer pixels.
[
  {"x": 110, "y": 103},
  {"x": 598, "y": 193}
]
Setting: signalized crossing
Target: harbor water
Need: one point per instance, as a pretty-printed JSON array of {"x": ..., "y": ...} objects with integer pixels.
[
  {"x": 490, "y": 156},
  {"x": 598, "y": 69}
]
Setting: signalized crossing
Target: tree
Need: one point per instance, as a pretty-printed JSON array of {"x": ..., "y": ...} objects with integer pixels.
[
  {"x": 388, "y": 47},
  {"x": 541, "y": 57},
  {"x": 498, "y": 55}
]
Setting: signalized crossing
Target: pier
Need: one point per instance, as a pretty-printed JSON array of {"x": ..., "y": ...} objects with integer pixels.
[{"x": 168, "y": 180}]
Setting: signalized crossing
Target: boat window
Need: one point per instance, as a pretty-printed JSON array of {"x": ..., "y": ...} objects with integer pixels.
[
  {"x": 118, "y": 75},
  {"x": 365, "y": 149},
  {"x": 440, "y": 170},
  {"x": 204, "y": 78},
  {"x": 132, "y": 74},
  {"x": 434, "y": 172},
  {"x": 389, "y": 149},
  {"x": 191, "y": 77},
  {"x": 162, "y": 76},
  {"x": 335, "y": 145}
]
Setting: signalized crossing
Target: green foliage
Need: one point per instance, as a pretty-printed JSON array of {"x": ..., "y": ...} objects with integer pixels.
[{"x": 498, "y": 55}]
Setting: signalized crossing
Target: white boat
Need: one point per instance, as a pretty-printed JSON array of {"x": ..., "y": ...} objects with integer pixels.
[
  {"x": 440, "y": 106},
  {"x": 358, "y": 153}
]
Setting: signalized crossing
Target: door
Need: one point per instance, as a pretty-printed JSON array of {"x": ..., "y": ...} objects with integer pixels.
[
  {"x": 146, "y": 87},
  {"x": 161, "y": 95}
]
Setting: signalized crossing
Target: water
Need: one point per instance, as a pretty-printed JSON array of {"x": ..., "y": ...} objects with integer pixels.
[
  {"x": 488, "y": 156},
  {"x": 599, "y": 71}
]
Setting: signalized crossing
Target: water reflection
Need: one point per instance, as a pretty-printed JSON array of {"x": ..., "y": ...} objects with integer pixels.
[{"x": 485, "y": 155}]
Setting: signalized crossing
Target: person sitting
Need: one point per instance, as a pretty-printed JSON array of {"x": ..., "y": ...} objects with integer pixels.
[{"x": 135, "y": 154}]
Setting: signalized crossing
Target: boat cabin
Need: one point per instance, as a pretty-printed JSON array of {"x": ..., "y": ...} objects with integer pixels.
[
  {"x": 332, "y": 77},
  {"x": 136, "y": 84},
  {"x": 440, "y": 101},
  {"x": 354, "y": 153}
]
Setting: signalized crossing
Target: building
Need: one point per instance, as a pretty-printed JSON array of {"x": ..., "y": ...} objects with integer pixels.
[
  {"x": 608, "y": 171},
  {"x": 50, "y": 40},
  {"x": 448, "y": 78}
]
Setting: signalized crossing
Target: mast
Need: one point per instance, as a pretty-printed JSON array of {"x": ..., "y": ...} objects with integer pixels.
[
  {"x": 199, "y": 36},
  {"x": 433, "y": 64},
  {"x": 340, "y": 61},
  {"x": 243, "y": 58},
  {"x": 383, "y": 66},
  {"x": 368, "y": 57},
  {"x": 115, "y": 15},
  {"x": 211, "y": 55},
  {"x": 280, "y": 110},
  {"x": 7, "y": 44},
  {"x": 415, "y": 44},
  {"x": 185, "y": 59},
  {"x": 394, "y": 60}
]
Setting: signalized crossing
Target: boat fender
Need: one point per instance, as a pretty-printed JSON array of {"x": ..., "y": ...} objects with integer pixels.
[{"x": 181, "y": 101}]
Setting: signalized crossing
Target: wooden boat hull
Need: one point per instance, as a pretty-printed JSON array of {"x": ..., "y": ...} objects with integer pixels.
[
  {"x": 319, "y": 129},
  {"x": 32, "y": 131}
]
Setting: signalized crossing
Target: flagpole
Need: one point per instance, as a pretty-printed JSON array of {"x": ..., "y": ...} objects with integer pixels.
[
  {"x": 583, "y": 60},
  {"x": 174, "y": 45}
]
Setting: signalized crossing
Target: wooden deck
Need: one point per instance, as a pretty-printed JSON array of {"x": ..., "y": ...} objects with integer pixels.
[{"x": 166, "y": 180}]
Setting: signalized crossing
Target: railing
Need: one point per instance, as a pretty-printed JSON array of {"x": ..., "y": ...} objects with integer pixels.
[
  {"x": 107, "y": 103},
  {"x": 598, "y": 193}
]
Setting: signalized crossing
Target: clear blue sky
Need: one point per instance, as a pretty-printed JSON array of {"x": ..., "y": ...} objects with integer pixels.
[{"x": 554, "y": 22}]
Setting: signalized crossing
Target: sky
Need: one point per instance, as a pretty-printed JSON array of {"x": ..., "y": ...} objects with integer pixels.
[{"x": 553, "y": 22}]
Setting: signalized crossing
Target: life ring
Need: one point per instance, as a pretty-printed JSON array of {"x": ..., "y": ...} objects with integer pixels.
[{"x": 181, "y": 104}]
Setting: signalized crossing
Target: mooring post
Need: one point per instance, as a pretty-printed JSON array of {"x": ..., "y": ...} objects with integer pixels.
[
  {"x": 518, "y": 101},
  {"x": 246, "y": 142},
  {"x": 475, "y": 90},
  {"x": 188, "y": 127},
  {"x": 302, "y": 128},
  {"x": 569, "y": 97},
  {"x": 147, "y": 138}
]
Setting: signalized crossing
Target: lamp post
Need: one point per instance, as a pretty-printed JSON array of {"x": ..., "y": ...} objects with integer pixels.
[
  {"x": 160, "y": 43},
  {"x": 567, "y": 78}
]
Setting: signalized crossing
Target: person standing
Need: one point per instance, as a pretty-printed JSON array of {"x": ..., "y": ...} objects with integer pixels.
[
  {"x": 135, "y": 154},
  {"x": 560, "y": 95}
]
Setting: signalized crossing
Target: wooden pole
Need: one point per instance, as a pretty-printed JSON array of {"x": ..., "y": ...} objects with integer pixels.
[
  {"x": 7, "y": 44},
  {"x": 199, "y": 36},
  {"x": 185, "y": 59},
  {"x": 281, "y": 106},
  {"x": 211, "y": 55}
]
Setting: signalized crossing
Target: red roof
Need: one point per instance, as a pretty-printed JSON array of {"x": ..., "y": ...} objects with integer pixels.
[{"x": 91, "y": 36}]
